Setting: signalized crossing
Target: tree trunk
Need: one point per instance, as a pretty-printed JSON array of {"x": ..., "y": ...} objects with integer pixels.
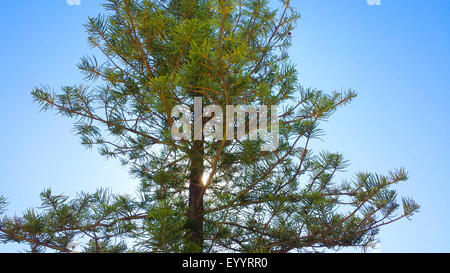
[{"x": 195, "y": 214}]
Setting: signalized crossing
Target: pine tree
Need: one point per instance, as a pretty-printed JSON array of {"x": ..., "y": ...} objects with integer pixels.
[{"x": 203, "y": 195}]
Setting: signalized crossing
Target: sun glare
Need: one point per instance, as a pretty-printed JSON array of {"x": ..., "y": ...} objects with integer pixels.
[{"x": 205, "y": 177}]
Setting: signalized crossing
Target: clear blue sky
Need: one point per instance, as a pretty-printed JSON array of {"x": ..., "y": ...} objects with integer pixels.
[{"x": 395, "y": 55}]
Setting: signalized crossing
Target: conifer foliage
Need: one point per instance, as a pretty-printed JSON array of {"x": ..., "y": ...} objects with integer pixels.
[{"x": 203, "y": 195}]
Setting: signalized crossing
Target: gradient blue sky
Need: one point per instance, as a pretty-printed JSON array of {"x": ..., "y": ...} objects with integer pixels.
[{"x": 396, "y": 56}]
